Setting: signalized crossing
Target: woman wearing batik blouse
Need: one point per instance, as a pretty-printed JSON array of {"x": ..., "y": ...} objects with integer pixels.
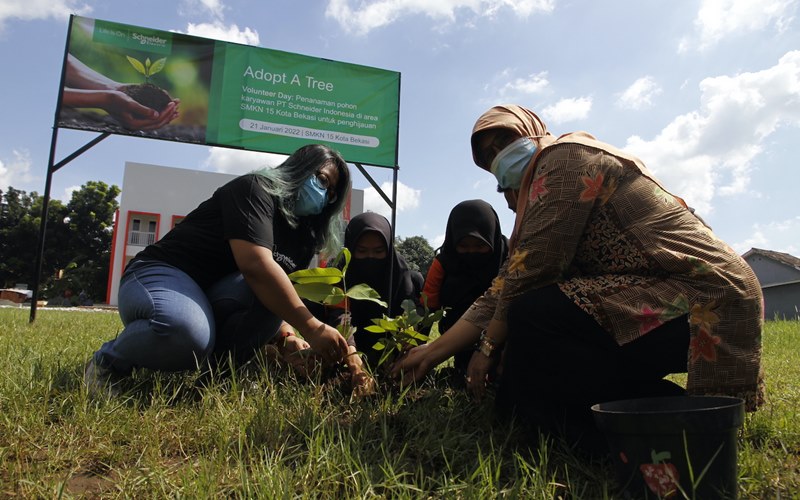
[{"x": 611, "y": 284}]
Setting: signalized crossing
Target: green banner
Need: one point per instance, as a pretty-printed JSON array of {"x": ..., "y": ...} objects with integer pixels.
[
  {"x": 226, "y": 94},
  {"x": 131, "y": 37}
]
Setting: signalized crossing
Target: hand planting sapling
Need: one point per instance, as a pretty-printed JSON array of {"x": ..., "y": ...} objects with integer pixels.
[{"x": 328, "y": 286}]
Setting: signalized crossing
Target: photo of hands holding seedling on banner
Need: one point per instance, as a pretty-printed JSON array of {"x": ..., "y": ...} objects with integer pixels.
[
  {"x": 129, "y": 80},
  {"x": 135, "y": 81}
]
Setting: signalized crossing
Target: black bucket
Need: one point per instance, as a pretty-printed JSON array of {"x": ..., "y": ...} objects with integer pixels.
[{"x": 673, "y": 447}]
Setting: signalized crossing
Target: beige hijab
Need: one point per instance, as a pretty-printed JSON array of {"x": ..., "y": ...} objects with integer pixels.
[
  {"x": 524, "y": 123},
  {"x": 519, "y": 120}
]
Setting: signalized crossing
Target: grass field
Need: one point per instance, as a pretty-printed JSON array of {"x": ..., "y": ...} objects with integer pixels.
[{"x": 260, "y": 433}]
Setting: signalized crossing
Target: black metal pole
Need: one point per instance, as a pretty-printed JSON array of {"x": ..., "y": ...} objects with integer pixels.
[
  {"x": 46, "y": 201},
  {"x": 43, "y": 225},
  {"x": 394, "y": 221},
  {"x": 51, "y": 169}
]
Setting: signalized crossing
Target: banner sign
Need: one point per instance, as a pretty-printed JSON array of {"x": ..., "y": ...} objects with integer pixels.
[{"x": 225, "y": 94}]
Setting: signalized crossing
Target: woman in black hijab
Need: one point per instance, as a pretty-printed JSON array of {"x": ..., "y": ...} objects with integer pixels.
[
  {"x": 368, "y": 237},
  {"x": 474, "y": 248}
]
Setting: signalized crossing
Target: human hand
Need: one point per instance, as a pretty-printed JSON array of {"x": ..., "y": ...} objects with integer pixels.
[
  {"x": 480, "y": 366},
  {"x": 292, "y": 350},
  {"x": 134, "y": 116},
  {"x": 362, "y": 382},
  {"x": 413, "y": 365},
  {"x": 328, "y": 343}
]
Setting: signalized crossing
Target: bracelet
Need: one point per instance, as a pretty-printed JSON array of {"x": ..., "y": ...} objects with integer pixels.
[
  {"x": 486, "y": 338},
  {"x": 487, "y": 345}
]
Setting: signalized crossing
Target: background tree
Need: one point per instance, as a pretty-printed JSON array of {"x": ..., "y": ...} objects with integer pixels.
[
  {"x": 19, "y": 236},
  {"x": 90, "y": 218},
  {"x": 78, "y": 239},
  {"x": 417, "y": 251}
]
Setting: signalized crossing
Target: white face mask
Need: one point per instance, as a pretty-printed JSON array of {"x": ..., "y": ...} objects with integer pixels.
[{"x": 510, "y": 163}]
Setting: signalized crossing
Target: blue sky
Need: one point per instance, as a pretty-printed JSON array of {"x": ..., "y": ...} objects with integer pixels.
[{"x": 706, "y": 93}]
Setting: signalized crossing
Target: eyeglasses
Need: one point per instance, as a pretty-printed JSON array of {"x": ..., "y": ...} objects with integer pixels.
[
  {"x": 325, "y": 183},
  {"x": 491, "y": 142}
]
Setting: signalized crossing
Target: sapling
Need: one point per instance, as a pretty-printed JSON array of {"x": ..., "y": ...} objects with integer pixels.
[
  {"x": 327, "y": 285},
  {"x": 403, "y": 331},
  {"x": 147, "y": 93}
]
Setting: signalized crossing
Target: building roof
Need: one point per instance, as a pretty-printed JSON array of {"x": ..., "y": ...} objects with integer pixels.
[{"x": 783, "y": 258}]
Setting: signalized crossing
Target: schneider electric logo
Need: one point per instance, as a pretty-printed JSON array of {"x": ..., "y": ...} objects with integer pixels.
[{"x": 152, "y": 41}]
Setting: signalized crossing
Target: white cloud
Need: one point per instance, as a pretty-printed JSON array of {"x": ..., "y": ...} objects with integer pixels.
[
  {"x": 717, "y": 19},
  {"x": 237, "y": 161},
  {"x": 437, "y": 241},
  {"x": 28, "y": 10},
  {"x": 16, "y": 171},
  {"x": 709, "y": 151},
  {"x": 215, "y": 7},
  {"x": 407, "y": 199},
  {"x": 67, "y": 194},
  {"x": 219, "y": 31},
  {"x": 514, "y": 89},
  {"x": 368, "y": 15},
  {"x": 640, "y": 94},
  {"x": 568, "y": 110},
  {"x": 757, "y": 240},
  {"x": 780, "y": 236}
]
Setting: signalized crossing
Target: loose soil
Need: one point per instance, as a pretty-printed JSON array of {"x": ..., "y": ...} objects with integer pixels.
[{"x": 148, "y": 95}]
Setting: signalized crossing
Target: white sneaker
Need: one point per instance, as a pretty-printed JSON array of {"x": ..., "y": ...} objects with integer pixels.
[{"x": 101, "y": 381}]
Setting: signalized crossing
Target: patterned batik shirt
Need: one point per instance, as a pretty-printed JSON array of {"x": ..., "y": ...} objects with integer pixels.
[{"x": 633, "y": 256}]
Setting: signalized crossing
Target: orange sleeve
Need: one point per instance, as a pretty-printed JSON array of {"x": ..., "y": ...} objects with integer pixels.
[{"x": 433, "y": 283}]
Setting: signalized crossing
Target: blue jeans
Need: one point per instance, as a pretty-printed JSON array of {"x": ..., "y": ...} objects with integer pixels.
[{"x": 172, "y": 324}]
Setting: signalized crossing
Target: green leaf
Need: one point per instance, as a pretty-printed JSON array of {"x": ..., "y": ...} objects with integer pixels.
[
  {"x": 138, "y": 66},
  {"x": 321, "y": 275},
  {"x": 378, "y": 346},
  {"x": 158, "y": 66},
  {"x": 416, "y": 335},
  {"x": 319, "y": 292},
  {"x": 432, "y": 318},
  {"x": 387, "y": 324},
  {"x": 362, "y": 291},
  {"x": 374, "y": 329},
  {"x": 345, "y": 254}
]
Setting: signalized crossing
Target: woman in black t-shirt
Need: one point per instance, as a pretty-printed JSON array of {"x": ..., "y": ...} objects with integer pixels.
[{"x": 216, "y": 285}]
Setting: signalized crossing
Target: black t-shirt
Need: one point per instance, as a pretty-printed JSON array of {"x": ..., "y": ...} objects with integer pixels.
[{"x": 243, "y": 210}]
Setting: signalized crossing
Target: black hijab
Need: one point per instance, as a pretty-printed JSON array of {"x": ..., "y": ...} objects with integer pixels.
[
  {"x": 375, "y": 273},
  {"x": 467, "y": 276}
]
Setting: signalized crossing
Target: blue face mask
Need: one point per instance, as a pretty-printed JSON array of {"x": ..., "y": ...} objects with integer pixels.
[
  {"x": 311, "y": 199},
  {"x": 509, "y": 164}
]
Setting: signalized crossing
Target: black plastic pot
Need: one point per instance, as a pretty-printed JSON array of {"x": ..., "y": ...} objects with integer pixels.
[{"x": 673, "y": 447}]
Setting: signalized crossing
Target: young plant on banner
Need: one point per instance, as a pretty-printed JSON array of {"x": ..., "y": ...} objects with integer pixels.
[{"x": 148, "y": 94}]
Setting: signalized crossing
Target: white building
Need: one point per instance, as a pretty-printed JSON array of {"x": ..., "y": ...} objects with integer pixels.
[{"x": 156, "y": 198}]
